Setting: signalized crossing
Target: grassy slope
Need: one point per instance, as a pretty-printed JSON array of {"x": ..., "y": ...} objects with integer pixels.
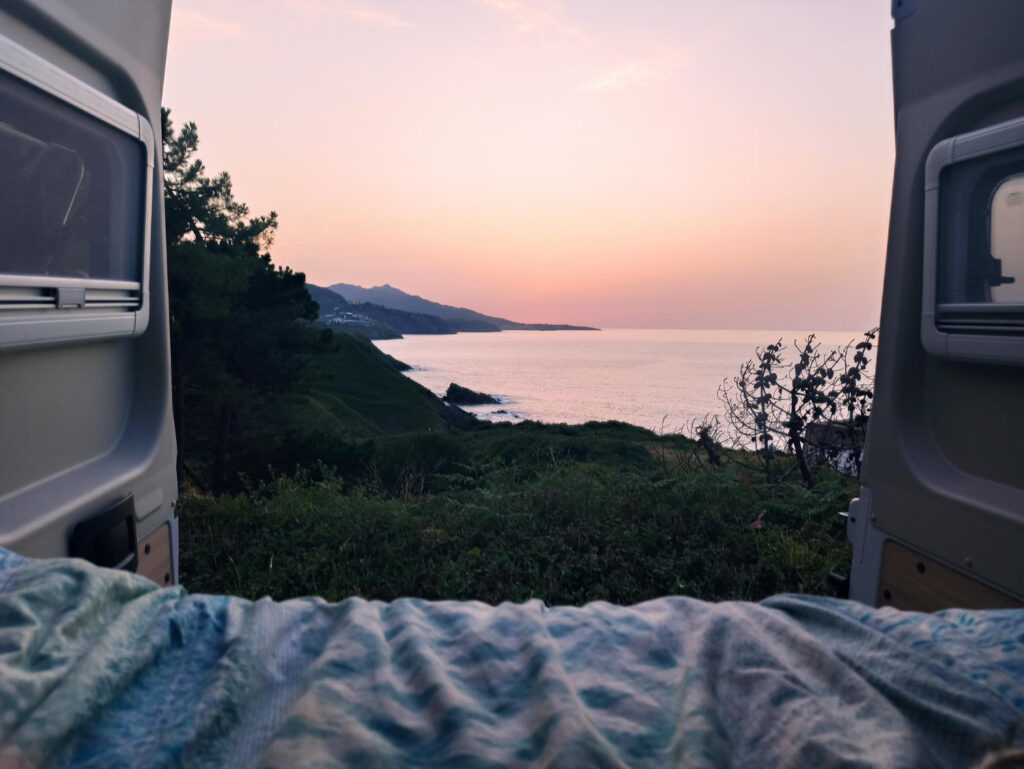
[
  {"x": 511, "y": 512},
  {"x": 349, "y": 392},
  {"x": 357, "y": 391}
]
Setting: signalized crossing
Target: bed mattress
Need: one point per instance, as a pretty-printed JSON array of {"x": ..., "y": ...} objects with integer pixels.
[{"x": 100, "y": 668}]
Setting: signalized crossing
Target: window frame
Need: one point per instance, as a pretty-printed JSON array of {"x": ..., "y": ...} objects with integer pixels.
[{"x": 41, "y": 310}]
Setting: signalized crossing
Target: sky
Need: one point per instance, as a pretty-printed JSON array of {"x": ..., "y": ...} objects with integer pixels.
[{"x": 618, "y": 163}]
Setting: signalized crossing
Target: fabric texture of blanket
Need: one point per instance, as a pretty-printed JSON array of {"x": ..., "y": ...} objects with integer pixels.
[{"x": 100, "y": 668}]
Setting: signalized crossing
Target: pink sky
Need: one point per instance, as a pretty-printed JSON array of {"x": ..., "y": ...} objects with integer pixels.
[{"x": 632, "y": 163}]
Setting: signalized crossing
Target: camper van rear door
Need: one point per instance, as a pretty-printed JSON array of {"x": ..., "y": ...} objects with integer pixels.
[{"x": 943, "y": 456}]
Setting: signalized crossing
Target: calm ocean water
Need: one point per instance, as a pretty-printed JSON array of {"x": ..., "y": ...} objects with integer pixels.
[{"x": 656, "y": 378}]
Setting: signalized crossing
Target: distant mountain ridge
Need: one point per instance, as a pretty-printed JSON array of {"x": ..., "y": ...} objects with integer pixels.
[
  {"x": 460, "y": 318},
  {"x": 372, "y": 320}
]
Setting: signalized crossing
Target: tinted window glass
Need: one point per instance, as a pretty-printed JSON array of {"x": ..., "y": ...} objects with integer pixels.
[
  {"x": 981, "y": 230},
  {"x": 71, "y": 190},
  {"x": 1006, "y": 236}
]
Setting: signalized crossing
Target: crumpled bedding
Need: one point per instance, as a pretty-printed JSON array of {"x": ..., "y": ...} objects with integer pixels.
[{"x": 100, "y": 668}]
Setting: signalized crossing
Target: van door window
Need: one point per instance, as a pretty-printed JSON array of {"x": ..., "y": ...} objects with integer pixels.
[
  {"x": 71, "y": 190},
  {"x": 972, "y": 302}
]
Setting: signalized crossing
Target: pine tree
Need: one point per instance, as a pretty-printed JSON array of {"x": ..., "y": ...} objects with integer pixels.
[{"x": 239, "y": 324}]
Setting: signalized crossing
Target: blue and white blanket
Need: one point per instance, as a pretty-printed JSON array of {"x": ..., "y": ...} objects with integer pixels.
[{"x": 100, "y": 668}]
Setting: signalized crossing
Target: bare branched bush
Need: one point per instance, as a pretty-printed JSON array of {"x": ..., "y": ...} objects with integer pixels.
[
  {"x": 789, "y": 416},
  {"x": 856, "y": 394}
]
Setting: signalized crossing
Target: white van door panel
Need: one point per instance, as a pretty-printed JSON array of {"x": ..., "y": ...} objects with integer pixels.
[{"x": 85, "y": 417}]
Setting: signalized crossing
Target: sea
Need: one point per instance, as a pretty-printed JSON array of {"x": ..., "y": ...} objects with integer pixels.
[{"x": 661, "y": 379}]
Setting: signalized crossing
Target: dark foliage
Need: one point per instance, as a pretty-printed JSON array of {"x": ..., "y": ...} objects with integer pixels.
[
  {"x": 236, "y": 339},
  {"x": 568, "y": 514},
  {"x": 800, "y": 413}
]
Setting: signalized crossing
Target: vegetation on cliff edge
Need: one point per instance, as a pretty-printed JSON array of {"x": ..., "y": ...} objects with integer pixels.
[
  {"x": 511, "y": 512},
  {"x": 311, "y": 465}
]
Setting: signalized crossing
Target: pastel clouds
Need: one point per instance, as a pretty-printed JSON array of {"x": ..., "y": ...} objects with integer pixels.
[
  {"x": 373, "y": 17},
  {"x": 359, "y": 13},
  {"x": 542, "y": 17},
  {"x": 638, "y": 73},
  {"x": 642, "y": 163},
  {"x": 228, "y": 20},
  {"x": 200, "y": 26}
]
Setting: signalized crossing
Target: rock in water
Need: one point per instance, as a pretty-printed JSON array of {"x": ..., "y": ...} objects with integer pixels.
[{"x": 463, "y": 396}]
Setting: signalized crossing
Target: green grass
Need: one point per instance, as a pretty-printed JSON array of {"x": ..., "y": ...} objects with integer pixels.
[
  {"x": 357, "y": 390},
  {"x": 568, "y": 514}
]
